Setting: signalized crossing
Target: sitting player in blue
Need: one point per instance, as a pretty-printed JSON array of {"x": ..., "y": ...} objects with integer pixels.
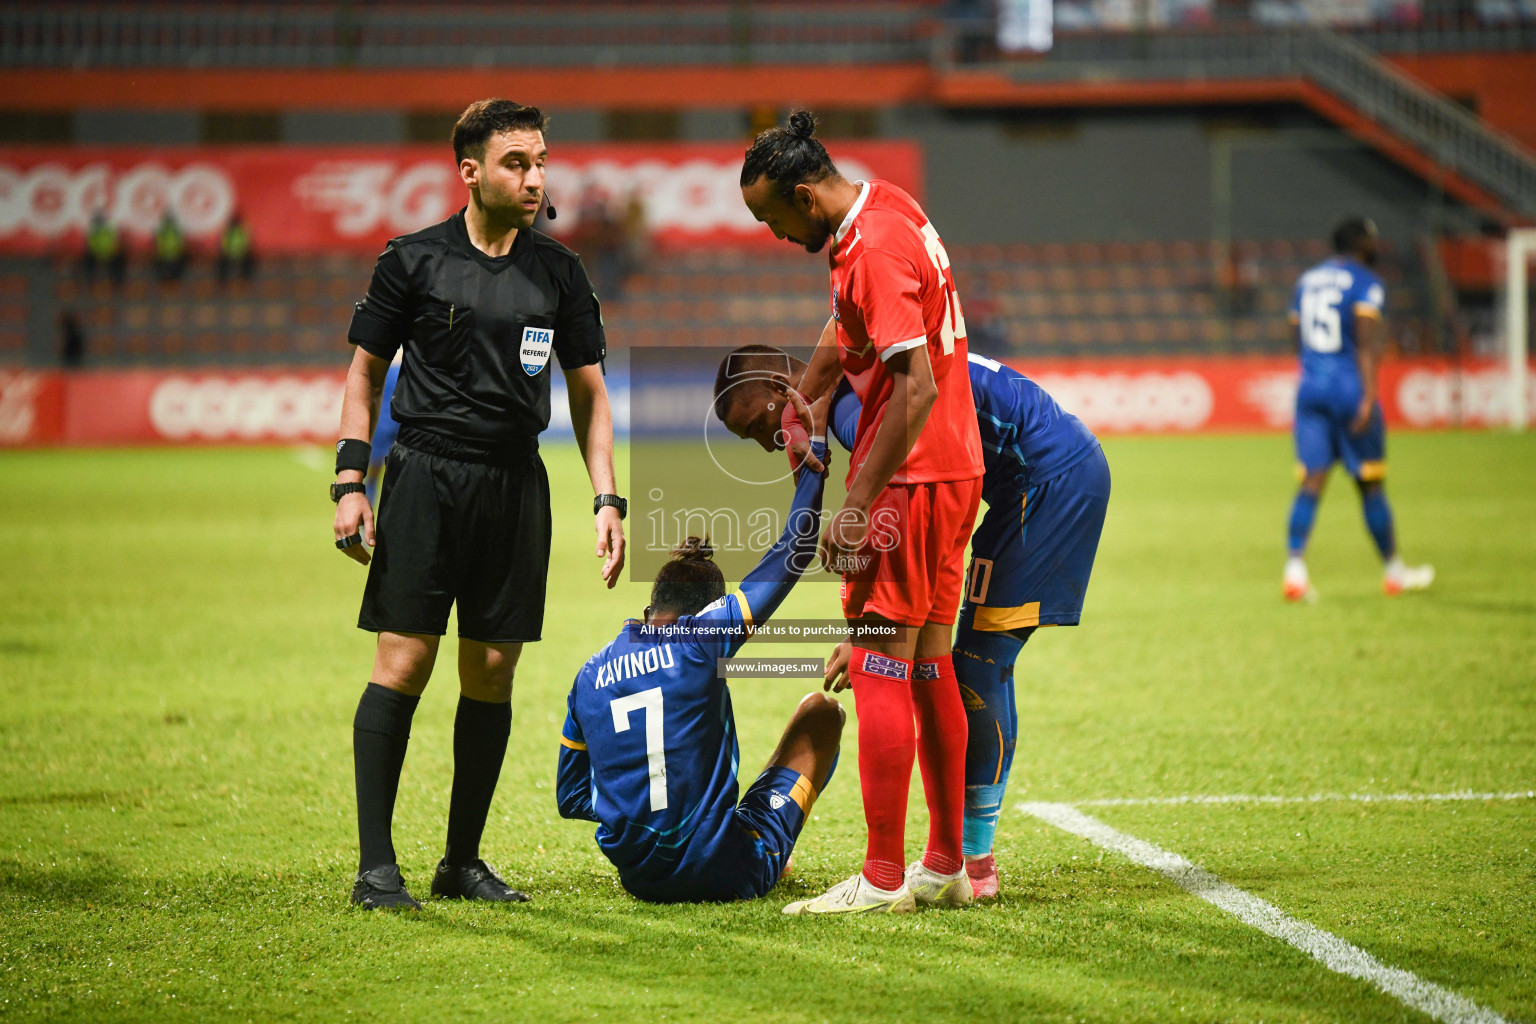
[
  {"x": 1336, "y": 310},
  {"x": 1046, "y": 486},
  {"x": 649, "y": 747}
]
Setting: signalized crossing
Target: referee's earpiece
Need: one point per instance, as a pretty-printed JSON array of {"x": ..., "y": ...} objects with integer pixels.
[{"x": 549, "y": 205}]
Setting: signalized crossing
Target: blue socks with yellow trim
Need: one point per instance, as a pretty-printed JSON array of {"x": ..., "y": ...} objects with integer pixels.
[
  {"x": 1303, "y": 512},
  {"x": 984, "y": 670},
  {"x": 1378, "y": 519}
]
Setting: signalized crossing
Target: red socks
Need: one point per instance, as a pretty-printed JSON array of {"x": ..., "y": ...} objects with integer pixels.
[
  {"x": 882, "y": 694},
  {"x": 941, "y": 739}
]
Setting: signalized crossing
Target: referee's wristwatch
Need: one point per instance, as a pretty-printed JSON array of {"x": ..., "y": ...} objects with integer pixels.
[
  {"x": 607, "y": 500},
  {"x": 339, "y": 491}
]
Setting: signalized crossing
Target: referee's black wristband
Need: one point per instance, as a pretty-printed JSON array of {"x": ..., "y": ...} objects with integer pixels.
[{"x": 353, "y": 454}]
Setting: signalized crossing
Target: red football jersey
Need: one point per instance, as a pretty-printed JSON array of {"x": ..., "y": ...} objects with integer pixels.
[{"x": 892, "y": 290}]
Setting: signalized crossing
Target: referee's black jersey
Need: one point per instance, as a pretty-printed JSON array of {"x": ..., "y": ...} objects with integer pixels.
[{"x": 478, "y": 331}]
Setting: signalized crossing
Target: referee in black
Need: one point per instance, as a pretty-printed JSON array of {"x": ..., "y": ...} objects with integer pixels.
[{"x": 479, "y": 303}]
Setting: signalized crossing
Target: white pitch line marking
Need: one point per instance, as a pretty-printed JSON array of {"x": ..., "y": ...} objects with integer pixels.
[
  {"x": 1316, "y": 798},
  {"x": 1325, "y": 947}
]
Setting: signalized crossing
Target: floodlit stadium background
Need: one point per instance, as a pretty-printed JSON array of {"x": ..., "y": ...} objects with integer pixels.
[{"x": 1127, "y": 188}]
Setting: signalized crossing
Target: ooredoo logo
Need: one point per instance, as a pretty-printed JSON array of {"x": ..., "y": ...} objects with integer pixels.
[
  {"x": 1133, "y": 401},
  {"x": 51, "y": 199},
  {"x": 18, "y": 406},
  {"x": 246, "y": 408}
]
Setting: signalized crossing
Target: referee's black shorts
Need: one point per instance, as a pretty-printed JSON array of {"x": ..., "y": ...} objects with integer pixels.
[{"x": 455, "y": 530}]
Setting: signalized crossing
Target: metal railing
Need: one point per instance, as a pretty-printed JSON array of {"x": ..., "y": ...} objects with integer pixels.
[
  {"x": 69, "y": 35},
  {"x": 1443, "y": 131}
]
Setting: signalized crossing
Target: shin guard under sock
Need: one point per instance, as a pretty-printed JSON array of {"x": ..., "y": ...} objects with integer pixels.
[
  {"x": 984, "y": 667},
  {"x": 1378, "y": 519},
  {"x": 941, "y": 731},
  {"x": 882, "y": 694},
  {"x": 381, "y": 730},
  {"x": 480, "y": 732},
  {"x": 1303, "y": 512}
]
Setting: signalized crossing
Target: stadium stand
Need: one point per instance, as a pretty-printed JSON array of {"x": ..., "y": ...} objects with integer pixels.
[{"x": 1083, "y": 299}]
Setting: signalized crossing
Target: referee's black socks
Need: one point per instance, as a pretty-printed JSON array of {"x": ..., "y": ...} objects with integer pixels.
[
  {"x": 380, "y": 732},
  {"x": 480, "y": 732}
]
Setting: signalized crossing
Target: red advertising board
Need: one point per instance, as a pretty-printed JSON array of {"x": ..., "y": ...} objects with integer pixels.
[
  {"x": 1112, "y": 397},
  {"x": 323, "y": 199}
]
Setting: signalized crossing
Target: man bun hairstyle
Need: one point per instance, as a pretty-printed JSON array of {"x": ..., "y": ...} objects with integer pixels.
[
  {"x": 745, "y": 370},
  {"x": 689, "y": 581},
  {"x": 484, "y": 118},
  {"x": 1350, "y": 232},
  {"x": 788, "y": 156}
]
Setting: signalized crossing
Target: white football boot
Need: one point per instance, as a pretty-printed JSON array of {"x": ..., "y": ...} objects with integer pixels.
[
  {"x": 856, "y": 896},
  {"x": 1296, "y": 585},
  {"x": 1399, "y": 578},
  {"x": 931, "y": 889}
]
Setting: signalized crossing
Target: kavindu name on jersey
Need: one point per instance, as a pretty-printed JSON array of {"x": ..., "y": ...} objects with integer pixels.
[{"x": 634, "y": 663}]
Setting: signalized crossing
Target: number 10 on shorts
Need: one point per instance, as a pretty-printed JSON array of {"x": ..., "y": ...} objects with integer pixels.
[{"x": 977, "y": 580}]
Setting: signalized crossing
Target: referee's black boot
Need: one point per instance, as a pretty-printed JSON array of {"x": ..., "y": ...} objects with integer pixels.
[
  {"x": 472, "y": 881},
  {"x": 382, "y": 888}
]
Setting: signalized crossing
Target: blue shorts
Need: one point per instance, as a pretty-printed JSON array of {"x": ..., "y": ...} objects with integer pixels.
[
  {"x": 1030, "y": 561},
  {"x": 1323, "y": 415},
  {"x": 744, "y": 856}
]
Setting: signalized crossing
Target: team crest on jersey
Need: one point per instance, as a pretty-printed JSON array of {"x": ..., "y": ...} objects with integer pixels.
[
  {"x": 880, "y": 665},
  {"x": 777, "y": 800},
  {"x": 537, "y": 341},
  {"x": 836, "y": 315}
]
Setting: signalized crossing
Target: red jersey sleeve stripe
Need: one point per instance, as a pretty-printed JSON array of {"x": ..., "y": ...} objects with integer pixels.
[{"x": 902, "y": 346}]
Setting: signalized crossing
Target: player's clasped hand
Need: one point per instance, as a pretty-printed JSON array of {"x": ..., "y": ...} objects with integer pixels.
[
  {"x": 610, "y": 543},
  {"x": 354, "y": 517},
  {"x": 798, "y": 426}
]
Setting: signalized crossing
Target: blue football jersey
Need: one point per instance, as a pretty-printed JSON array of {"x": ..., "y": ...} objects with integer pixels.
[
  {"x": 649, "y": 746},
  {"x": 1026, "y": 438},
  {"x": 1326, "y": 307}
]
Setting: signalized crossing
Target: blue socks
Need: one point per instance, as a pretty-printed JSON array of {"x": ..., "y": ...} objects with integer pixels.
[
  {"x": 984, "y": 670},
  {"x": 1378, "y": 519},
  {"x": 1303, "y": 511}
]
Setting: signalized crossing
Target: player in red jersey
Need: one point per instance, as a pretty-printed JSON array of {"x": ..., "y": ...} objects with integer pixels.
[{"x": 914, "y": 482}]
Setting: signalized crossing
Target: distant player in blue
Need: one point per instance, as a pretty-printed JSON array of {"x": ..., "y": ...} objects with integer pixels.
[
  {"x": 1046, "y": 487},
  {"x": 384, "y": 433},
  {"x": 1337, "y": 312},
  {"x": 649, "y": 745}
]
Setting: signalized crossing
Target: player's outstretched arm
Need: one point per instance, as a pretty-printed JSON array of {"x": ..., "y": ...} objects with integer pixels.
[
  {"x": 914, "y": 392},
  {"x": 770, "y": 581},
  {"x": 592, "y": 419},
  {"x": 359, "y": 413},
  {"x": 822, "y": 373}
]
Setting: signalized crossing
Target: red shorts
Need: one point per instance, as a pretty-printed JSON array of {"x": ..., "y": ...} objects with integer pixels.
[{"x": 916, "y": 553}]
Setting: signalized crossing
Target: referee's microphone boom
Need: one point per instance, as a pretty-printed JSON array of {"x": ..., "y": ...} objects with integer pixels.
[{"x": 549, "y": 205}]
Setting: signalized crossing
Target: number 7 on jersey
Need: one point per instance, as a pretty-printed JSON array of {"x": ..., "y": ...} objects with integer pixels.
[{"x": 648, "y": 702}]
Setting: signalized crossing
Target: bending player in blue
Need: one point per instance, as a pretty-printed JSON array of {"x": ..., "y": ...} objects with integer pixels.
[
  {"x": 1046, "y": 486},
  {"x": 1336, "y": 310},
  {"x": 649, "y": 745}
]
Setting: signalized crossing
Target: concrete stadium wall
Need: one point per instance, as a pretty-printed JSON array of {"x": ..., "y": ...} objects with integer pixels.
[{"x": 1099, "y": 175}]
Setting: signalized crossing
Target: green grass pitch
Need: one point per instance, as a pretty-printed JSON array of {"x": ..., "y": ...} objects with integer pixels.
[{"x": 179, "y": 667}]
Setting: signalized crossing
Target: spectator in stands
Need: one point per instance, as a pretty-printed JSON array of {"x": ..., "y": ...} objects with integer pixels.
[
  {"x": 103, "y": 249},
  {"x": 637, "y": 237},
  {"x": 170, "y": 249},
  {"x": 235, "y": 253},
  {"x": 71, "y": 340},
  {"x": 599, "y": 237}
]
